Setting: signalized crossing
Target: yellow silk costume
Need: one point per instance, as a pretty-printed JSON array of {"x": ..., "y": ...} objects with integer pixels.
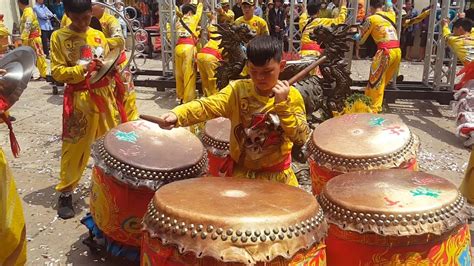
[
  {"x": 255, "y": 143},
  {"x": 113, "y": 32},
  {"x": 417, "y": 19},
  {"x": 256, "y": 23},
  {"x": 31, "y": 36},
  {"x": 226, "y": 17},
  {"x": 65, "y": 21},
  {"x": 309, "y": 28},
  {"x": 207, "y": 63},
  {"x": 12, "y": 221},
  {"x": 462, "y": 46},
  {"x": 185, "y": 51},
  {"x": 386, "y": 62},
  {"x": 4, "y": 33},
  {"x": 70, "y": 50}
]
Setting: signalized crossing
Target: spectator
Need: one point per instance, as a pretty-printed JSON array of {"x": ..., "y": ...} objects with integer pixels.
[
  {"x": 145, "y": 13},
  {"x": 44, "y": 16},
  {"x": 270, "y": 6},
  {"x": 4, "y": 34},
  {"x": 237, "y": 9},
  {"x": 424, "y": 35},
  {"x": 335, "y": 8},
  {"x": 58, "y": 9},
  {"x": 224, "y": 14},
  {"x": 276, "y": 20},
  {"x": 119, "y": 6},
  {"x": 324, "y": 12},
  {"x": 360, "y": 20},
  {"x": 408, "y": 35}
]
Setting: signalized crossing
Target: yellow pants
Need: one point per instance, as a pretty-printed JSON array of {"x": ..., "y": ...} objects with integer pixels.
[
  {"x": 85, "y": 125},
  {"x": 207, "y": 65},
  {"x": 185, "y": 72},
  {"x": 467, "y": 185},
  {"x": 12, "y": 222},
  {"x": 37, "y": 46},
  {"x": 287, "y": 177},
  {"x": 383, "y": 67}
]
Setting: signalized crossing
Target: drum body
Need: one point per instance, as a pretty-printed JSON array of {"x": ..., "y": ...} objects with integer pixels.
[
  {"x": 355, "y": 142},
  {"x": 131, "y": 162},
  {"x": 216, "y": 139},
  {"x": 395, "y": 217},
  {"x": 238, "y": 222}
]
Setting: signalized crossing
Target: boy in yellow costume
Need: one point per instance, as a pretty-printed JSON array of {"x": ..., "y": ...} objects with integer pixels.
[
  {"x": 208, "y": 60},
  {"x": 256, "y": 23},
  {"x": 89, "y": 110},
  {"x": 224, "y": 13},
  {"x": 267, "y": 116},
  {"x": 113, "y": 32},
  {"x": 309, "y": 21},
  {"x": 31, "y": 35},
  {"x": 386, "y": 62},
  {"x": 65, "y": 21},
  {"x": 4, "y": 34},
  {"x": 12, "y": 222},
  {"x": 185, "y": 51}
]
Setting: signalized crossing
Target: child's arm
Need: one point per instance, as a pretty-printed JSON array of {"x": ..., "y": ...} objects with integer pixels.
[
  {"x": 117, "y": 39},
  {"x": 201, "y": 110},
  {"x": 365, "y": 30},
  {"x": 290, "y": 109}
]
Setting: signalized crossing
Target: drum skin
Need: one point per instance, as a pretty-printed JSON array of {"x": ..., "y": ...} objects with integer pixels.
[
  {"x": 395, "y": 217},
  {"x": 238, "y": 221},
  {"x": 355, "y": 142}
]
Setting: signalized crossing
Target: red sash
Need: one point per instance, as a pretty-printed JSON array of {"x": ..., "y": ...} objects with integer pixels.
[
  {"x": 214, "y": 52},
  {"x": 186, "y": 41},
  {"x": 311, "y": 46},
  {"x": 385, "y": 46},
  {"x": 34, "y": 34},
  {"x": 227, "y": 167},
  {"x": 468, "y": 71}
]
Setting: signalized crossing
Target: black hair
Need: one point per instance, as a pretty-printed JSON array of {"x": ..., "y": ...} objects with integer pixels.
[
  {"x": 262, "y": 49},
  {"x": 188, "y": 7},
  {"x": 77, "y": 6},
  {"x": 464, "y": 23},
  {"x": 470, "y": 14},
  {"x": 24, "y": 2},
  {"x": 376, "y": 3},
  {"x": 313, "y": 8}
]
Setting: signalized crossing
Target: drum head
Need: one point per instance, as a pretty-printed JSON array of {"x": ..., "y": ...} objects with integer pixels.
[
  {"x": 361, "y": 136},
  {"x": 221, "y": 218},
  {"x": 218, "y": 129},
  {"x": 393, "y": 202},
  {"x": 145, "y": 145}
]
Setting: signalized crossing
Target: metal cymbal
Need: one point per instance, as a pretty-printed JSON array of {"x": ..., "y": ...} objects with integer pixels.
[
  {"x": 110, "y": 61},
  {"x": 19, "y": 65}
]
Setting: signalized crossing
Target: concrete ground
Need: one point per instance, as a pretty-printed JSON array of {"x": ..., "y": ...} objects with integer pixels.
[{"x": 52, "y": 241}]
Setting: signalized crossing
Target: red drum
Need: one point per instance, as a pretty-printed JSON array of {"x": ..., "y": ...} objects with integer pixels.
[
  {"x": 395, "y": 217},
  {"x": 234, "y": 221},
  {"x": 216, "y": 139},
  {"x": 354, "y": 142},
  {"x": 131, "y": 162}
]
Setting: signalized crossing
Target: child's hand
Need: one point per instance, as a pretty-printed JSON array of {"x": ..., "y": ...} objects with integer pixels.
[
  {"x": 281, "y": 91},
  {"x": 445, "y": 22},
  {"x": 169, "y": 120}
]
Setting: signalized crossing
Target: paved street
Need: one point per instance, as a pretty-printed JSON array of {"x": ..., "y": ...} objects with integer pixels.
[{"x": 38, "y": 128}]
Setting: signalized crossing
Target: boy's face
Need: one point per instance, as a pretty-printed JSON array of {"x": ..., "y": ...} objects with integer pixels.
[
  {"x": 458, "y": 31},
  {"x": 265, "y": 77},
  {"x": 80, "y": 21},
  {"x": 247, "y": 10}
]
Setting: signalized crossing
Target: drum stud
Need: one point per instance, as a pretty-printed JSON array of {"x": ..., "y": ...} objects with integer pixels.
[
  {"x": 248, "y": 233},
  {"x": 431, "y": 214},
  {"x": 399, "y": 217},
  {"x": 391, "y": 217},
  {"x": 297, "y": 233},
  {"x": 200, "y": 227},
  {"x": 266, "y": 232},
  {"x": 253, "y": 238},
  {"x": 308, "y": 228},
  {"x": 263, "y": 238},
  {"x": 414, "y": 222},
  {"x": 404, "y": 222},
  {"x": 379, "y": 222},
  {"x": 229, "y": 232},
  {"x": 291, "y": 228},
  {"x": 224, "y": 237},
  {"x": 168, "y": 219},
  {"x": 272, "y": 237},
  {"x": 219, "y": 231},
  {"x": 194, "y": 233},
  {"x": 257, "y": 233},
  {"x": 210, "y": 228},
  {"x": 395, "y": 222},
  {"x": 234, "y": 239},
  {"x": 214, "y": 236},
  {"x": 175, "y": 229},
  {"x": 243, "y": 239},
  {"x": 424, "y": 216},
  {"x": 297, "y": 227},
  {"x": 174, "y": 222},
  {"x": 238, "y": 233},
  {"x": 372, "y": 221},
  {"x": 408, "y": 217},
  {"x": 422, "y": 221},
  {"x": 283, "y": 229},
  {"x": 203, "y": 235},
  {"x": 376, "y": 216}
]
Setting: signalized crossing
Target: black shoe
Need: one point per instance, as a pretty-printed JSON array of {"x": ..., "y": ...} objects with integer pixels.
[
  {"x": 65, "y": 209},
  {"x": 12, "y": 118}
]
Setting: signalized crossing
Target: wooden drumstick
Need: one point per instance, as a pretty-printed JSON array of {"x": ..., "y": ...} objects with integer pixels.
[
  {"x": 303, "y": 73},
  {"x": 154, "y": 119}
]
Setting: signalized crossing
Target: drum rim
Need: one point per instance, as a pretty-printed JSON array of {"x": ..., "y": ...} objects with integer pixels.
[{"x": 135, "y": 177}]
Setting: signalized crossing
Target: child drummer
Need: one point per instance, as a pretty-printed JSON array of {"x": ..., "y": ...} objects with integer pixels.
[
  {"x": 267, "y": 116},
  {"x": 89, "y": 110}
]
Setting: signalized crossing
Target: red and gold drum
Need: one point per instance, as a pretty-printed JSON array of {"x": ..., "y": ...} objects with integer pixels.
[
  {"x": 131, "y": 162},
  {"x": 216, "y": 139},
  {"x": 395, "y": 217},
  {"x": 234, "y": 221},
  {"x": 354, "y": 142}
]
